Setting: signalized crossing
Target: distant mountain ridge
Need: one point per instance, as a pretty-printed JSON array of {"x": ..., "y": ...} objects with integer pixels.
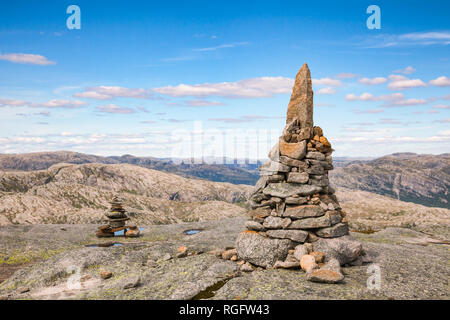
[
  {"x": 422, "y": 179},
  {"x": 232, "y": 173},
  {"x": 418, "y": 178}
]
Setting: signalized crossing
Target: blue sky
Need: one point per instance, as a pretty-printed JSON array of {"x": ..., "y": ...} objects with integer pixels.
[{"x": 139, "y": 75}]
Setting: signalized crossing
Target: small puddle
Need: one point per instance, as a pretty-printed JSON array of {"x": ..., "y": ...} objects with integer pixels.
[
  {"x": 122, "y": 232},
  {"x": 104, "y": 245},
  {"x": 211, "y": 291},
  {"x": 192, "y": 231}
]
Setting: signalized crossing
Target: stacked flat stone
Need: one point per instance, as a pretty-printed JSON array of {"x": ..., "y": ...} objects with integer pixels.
[
  {"x": 292, "y": 202},
  {"x": 117, "y": 214},
  {"x": 116, "y": 218}
]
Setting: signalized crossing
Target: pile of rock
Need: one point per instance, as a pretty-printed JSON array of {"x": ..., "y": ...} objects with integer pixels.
[
  {"x": 117, "y": 214},
  {"x": 116, "y": 218},
  {"x": 292, "y": 202}
]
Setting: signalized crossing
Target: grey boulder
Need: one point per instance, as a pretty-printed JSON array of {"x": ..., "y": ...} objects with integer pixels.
[
  {"x": 345, "y": 249},
  {"x": 261, "y": 251}
]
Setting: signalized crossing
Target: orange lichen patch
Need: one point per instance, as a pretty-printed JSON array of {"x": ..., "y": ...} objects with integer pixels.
[
  {"x": 250, "y": 231},
  {"x": 182, "y": 249},
  {"x": 324, "y": 141}
]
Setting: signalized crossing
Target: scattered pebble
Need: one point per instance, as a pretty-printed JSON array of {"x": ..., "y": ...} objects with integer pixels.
[
  {"x": 105, "y": 274},
  {"x": 308, "y": 263},
  {"x": 228, "y": 254},
  {"x": 247, "y": 267},
  {"x": 167, "y": 257}
]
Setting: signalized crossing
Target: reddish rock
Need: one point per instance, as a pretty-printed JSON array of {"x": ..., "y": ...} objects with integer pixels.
[
  {"x": 292, "y": 150},
  {"x": 105, "y": 274},
  {"x": 228, "y": 254},
  {"x": 324, "y": 276},
  {"x": 318, "y": 255},
  {"x": 308, "y": 263}
]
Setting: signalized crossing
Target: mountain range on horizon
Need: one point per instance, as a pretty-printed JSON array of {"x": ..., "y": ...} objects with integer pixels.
[{"x": 421, "y": 179}]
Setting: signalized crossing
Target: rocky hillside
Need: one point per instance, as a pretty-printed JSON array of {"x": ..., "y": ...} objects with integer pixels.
[
  {"x": 423, "y": 179},
  {"x": 233, "y": 173},
  {"x": 67, "y": 193}
]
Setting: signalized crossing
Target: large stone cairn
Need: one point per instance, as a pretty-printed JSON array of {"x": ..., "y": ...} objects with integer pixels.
[{"x": 292, "y": 202}]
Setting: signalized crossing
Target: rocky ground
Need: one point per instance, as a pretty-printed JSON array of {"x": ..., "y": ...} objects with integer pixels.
[{"x": 413, "y": 265}]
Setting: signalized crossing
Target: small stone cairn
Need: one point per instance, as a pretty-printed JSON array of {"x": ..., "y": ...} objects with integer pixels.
[
  {"x": 296, "y": 219},
  {"x": 116, "y": 218}
]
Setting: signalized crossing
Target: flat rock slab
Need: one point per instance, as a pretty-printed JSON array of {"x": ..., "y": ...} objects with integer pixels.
[
  {"x": 294, "y": 235},
  {"x": 284, "y": 190},
  {"x": 338, "y": 230},
  {"x": 311, "y": 223},
  {"x": 408, "y": 271},
  {"x": 305, "y": 211}
]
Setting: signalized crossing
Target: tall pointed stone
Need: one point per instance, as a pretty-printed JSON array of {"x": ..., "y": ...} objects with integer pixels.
[
  {"x": 293, "y": 202},
  {"x": 301, "y": 103}
]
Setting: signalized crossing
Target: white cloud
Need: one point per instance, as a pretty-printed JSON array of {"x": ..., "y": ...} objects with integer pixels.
[
  {"x": 112, "y": 108},
  {"x": 92, "y": 95},
  {"x": 109, "y": 92},
  {"x": 363, "y": 97},
  {"x": 441, "y": 82},
  {"x": 372, "y": 82},
  {"x": 407, "y": 70},
  {"x": 346, "y": 75},
  {"x": 12, "y": 103},
  {"x": 222, "y": 46},
  {"x": 398, "y": 82},
  {"x": 203, "y": 103},
  {"x": 368, "y": 111},
  {"x": 67, "y": 104},
  {"x": 327, "y": 90},
  {"x": 407, "y": 102},
  {"x": 441, "y": 106},
  {"x": 391, "y": 100},
  {"x": 443, "y": 35},
  {"x": 327, "y": 82},
  {"x": 26, "y": 58},
  {"x": 247, "y": 88},
  {"x": 447, "y": 120},
  {"x": 247, "y": 118},
  {"x": 409, "y": 39}
]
